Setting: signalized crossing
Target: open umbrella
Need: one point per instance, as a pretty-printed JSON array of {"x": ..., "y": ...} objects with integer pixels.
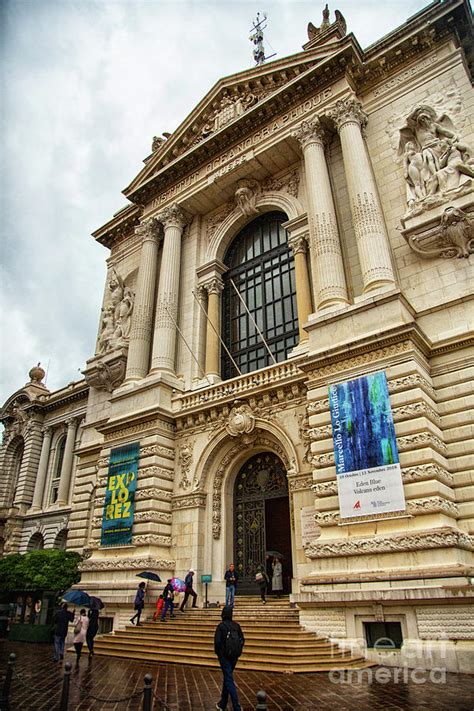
[
  {"x": 96, "y": 603},
  {"x": 77, "y": 597},
  {"x": 148, "y": 575},
  {"x": 275, "y": 554},
  {"x": 178, "y": 585}
]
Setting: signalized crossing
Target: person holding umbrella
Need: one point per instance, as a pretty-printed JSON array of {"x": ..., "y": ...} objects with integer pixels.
[
  {"x": 92, "y": 629},
  {"x": 62, "y": 619},
  {"x": 168, "y": 597},
  {"x": 277, "y": 578},
  {"x": 80, "y": 631},
  {"x": 139, "y": 604}
]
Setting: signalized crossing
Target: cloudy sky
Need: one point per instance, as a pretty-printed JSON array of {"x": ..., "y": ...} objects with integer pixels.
[{"x": 85, "y": 86}]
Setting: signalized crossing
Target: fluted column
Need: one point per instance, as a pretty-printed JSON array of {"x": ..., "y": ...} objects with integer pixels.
[
  {"x": 303, "y": 290},
  {"x": 325, "y": 246},
  {"x": 367, "y": 217},
  {"x": 142, "y": 316},
  {"x": 213, "y": 288},
  {"x": 66, "y": 469},
  {"x": 173, "y": 219},
  {"x": 42, "y": 469}
]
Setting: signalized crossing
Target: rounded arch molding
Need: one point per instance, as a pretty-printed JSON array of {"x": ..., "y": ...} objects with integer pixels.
[
  {"x": 221, "y": 461},
  {"x": 236, "y": 221}
]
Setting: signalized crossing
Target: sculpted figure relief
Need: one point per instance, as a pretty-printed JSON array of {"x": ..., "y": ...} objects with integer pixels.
[
  {"x": 241, "y": 420},
  {"x": 436, "y": 161},
  {"x": 246, "y": 196},
  {"x": 116, "y": 319}
]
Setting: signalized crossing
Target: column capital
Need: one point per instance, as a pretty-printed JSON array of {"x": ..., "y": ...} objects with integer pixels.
[
  {"x": 310, "y": 132},
  {"x": 47, "y": 430},
  {"x": 213, "y": 285},
  {"x": 72, "y": 423},
  {"x": 347, "y": 111},
  {"x": 299, "y": 243},
  {"x": 174, "y": 216},
  {"x": 150, "y": 230}
]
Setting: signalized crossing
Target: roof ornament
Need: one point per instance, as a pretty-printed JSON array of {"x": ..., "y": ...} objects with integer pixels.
[
  {"x": 257, "y": 38},
  {"x": 340, "y": 22}
]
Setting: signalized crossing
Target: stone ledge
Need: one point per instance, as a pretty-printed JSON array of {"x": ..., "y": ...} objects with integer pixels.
[
  {"x": 409, "y": 574},
  {"x": 428, "y": 595}
]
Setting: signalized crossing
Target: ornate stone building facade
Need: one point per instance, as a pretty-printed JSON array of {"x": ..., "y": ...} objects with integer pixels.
[{"x": 321, "y": 204}]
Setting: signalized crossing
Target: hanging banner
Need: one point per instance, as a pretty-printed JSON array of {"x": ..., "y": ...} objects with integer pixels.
[
  {"x": 119, "y": 505},
  {"x": 368, "y": 471}
]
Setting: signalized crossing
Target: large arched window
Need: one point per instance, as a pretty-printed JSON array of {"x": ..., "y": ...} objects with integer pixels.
[
  {"x": 58, "y": 465},
  {"x": 36, "y": 542},
  {"x": 261, "y": 266}
]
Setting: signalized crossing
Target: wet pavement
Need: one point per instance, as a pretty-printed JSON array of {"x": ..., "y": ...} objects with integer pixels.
[{"x": 102, "y": 681}]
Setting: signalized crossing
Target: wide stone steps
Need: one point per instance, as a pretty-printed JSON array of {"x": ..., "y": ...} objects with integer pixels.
[{"x": 274, "y": 640}]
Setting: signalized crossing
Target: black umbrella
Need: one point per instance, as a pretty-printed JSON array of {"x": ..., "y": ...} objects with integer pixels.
[
  {"x": 148, "y": 575},
  {"x": 275, "y": 554}
]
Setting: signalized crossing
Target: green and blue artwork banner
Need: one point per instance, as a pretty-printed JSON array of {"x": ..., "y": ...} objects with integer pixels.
[
  {"x": 119, "y": 505},
  {"x": 368, "y": 470}
]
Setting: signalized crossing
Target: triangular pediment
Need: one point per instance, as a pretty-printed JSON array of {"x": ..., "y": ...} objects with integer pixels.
[{"x": 224, "y": 104}]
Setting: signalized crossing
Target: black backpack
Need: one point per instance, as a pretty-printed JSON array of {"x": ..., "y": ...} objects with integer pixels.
[{"x": 233, "y": 644}]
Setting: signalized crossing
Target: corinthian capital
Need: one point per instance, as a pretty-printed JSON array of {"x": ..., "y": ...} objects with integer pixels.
[
  {"x": 311, "y": 132},
  {"x": 213, "y": 286},
  {"x": 174, "y": 216},
  {"x": 299, "y": 244},
  {"x": 347, "y": 111},
  {"x": 149, "y": 230}
]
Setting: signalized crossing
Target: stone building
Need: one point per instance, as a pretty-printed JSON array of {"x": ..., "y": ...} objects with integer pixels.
[{"x": 327, "y": 197}]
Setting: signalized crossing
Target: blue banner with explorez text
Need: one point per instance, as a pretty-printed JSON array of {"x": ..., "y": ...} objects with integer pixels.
[{"x": 119, "y": 505}]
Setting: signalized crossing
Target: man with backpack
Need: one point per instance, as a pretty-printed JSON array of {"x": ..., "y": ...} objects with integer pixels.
[{"x": 228, "y": 645}]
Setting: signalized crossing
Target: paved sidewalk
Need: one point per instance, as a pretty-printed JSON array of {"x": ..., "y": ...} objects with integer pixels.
[{"x": 38, "y": 686}]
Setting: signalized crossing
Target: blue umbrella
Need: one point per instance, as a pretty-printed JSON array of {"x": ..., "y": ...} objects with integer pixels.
[
  {"x": 149, "y": 576},
  {"x": 77, "y": 597}
]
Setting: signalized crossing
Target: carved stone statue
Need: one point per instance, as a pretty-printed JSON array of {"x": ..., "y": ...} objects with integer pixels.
[
  {"x": 228, "y": 109},
  {"x": 436, "y": 161},
  {"x": 116, "y": 319},
  {"x": 246, "y": 196},
  {"x": 452, "y": 237}
]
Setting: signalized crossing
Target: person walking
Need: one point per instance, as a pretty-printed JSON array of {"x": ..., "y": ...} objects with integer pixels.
[
  {"x": 229, "y": 642},
  {"x": 159, "y": 607},
  {"x": 92, "y": 630},
  {"x": 262, "y": 580},
  {"x": 139, "y": 604},
  {"x": 168, "y": 597},
  {"x": 80, "y": 632},
  {"x": 188, "y": 590},
  {"x": 231, "y": 578},
  {"x": 277, "y": 578},
  {"x": 62, "y": 619}
]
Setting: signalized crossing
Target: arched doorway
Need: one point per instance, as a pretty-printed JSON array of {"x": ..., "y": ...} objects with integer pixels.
[{"x": 261, "y": 519}]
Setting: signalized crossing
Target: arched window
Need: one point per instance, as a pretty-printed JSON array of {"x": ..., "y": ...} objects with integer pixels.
[
  {"x": 36, "y": 542},
  {"x": 60, "y": 540},
  {"x": 58, "y": 464},
  {"x": 261, "y": 266}
]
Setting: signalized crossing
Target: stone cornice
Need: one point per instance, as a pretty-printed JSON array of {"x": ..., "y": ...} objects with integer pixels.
[{"x": 119, "y": 227}]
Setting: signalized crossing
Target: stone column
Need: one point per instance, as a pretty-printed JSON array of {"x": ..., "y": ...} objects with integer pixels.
[
  {"x": 66, "y": 469},
  {"x": 42, "y": 470},
  {"x": 173, "y": 219},
  {"x": 367, "y": 217},
  {"x": 213, "y": 288},
  {"x": 326, "y": 254},
  {"x": 303, "y": 290},
  {"x": 142, "y": 316}
]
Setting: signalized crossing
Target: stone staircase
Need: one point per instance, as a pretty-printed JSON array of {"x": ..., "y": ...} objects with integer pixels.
[{"x": 274, "y": 640}]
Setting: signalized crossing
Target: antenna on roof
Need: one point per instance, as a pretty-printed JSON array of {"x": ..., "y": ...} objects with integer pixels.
[{"x": 257, "y": 38}]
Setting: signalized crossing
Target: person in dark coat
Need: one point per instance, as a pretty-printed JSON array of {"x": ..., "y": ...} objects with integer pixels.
[
  {"x": 139, "y": 604},
  {"x": 168, "y": 597},
  {"x": 226, "y": 662},
  {"x": 61, "y": 620},
  {"x": 231, "y": 579},
  {"x": 188, "y": 590},
  {"x": 92, "y": 629},
  {"x": 262, "y": 580}
]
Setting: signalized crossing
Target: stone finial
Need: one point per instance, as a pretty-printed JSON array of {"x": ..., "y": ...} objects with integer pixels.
[{"x": 36, "y": 374}]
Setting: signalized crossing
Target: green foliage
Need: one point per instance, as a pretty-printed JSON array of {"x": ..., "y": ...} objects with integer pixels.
[{"x": 52, "y": 570}]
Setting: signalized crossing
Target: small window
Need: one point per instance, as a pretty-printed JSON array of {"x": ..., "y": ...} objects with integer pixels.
[{"x": 383, "y": 635}]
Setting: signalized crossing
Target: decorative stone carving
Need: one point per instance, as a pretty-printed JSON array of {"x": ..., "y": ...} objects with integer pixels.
[
  {"x": 300, "y": 483},
  {"x": 151, "y": 539},
  {"x": 157, "y": 449},
  {"x": 433, "y": 538},
  {"x": 174, "y": 216},
  {"x": 437, "y": 163},
  {"x": 230, "y": 107},
  {"x": 449, "y": 238},
  {"x": 185, "y": 459},
  {"x": 311, "y": 132},
  {"x": 36, "y": 375},
  {"x": 116, "y": 318},
  {"x": 347, "y": 110},
  {"x": 241, "y": 420},
  {"x": 315, "y": 32},
  {"x": 286, "y": 183},
  {"x": 303, "y": 433},
  {"x": 107, "y": 372},
  {"x": 445, "y": 622},
  {"x": 246, "y": 196},
  {"x": 117, "y": 563},
  {"x": 190, "y": 501}
]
